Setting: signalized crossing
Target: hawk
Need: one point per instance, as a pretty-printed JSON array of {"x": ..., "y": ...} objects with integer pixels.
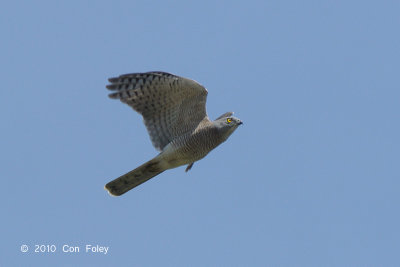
[{"x": 174, "y": 112}]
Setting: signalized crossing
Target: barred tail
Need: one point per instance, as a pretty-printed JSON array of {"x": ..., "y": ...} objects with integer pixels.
[{"x": 134, "y": 178}]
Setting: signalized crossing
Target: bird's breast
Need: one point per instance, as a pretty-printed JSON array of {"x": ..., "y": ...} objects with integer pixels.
[{"x": 191, "y": 147}]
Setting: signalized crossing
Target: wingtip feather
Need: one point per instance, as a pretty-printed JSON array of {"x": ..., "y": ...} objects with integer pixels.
[
  {"x": 114, "y": 95},
  {"x": 113, "y": 79}
]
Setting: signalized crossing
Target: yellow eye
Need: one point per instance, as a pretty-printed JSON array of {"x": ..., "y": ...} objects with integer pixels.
[{"x": 228, "y": 120}]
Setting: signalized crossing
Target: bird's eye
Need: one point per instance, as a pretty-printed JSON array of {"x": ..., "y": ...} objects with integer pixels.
[{"x": 228, "y": 120}]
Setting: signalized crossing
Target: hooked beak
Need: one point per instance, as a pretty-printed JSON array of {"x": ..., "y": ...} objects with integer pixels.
[{"x": 241, "y": 122}]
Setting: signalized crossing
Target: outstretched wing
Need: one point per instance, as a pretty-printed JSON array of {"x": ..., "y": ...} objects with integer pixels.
[{"x": 170, "y": 105}]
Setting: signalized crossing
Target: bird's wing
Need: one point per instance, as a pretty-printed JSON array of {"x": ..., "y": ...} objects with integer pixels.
[{"x": 170, "y": 105}]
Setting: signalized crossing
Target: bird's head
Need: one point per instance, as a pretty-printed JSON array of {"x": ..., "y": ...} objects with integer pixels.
[{"x": 227, "y": 124}]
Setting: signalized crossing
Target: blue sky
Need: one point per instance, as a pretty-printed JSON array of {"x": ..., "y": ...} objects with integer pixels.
[{"x": 310, "y": 179}]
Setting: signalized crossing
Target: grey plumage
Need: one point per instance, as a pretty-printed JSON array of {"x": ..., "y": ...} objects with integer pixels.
[{"x": 174, "y": 112}]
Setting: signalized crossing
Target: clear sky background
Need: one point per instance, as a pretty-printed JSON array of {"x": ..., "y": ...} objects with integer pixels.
[{"x": 310, "y": 179}]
